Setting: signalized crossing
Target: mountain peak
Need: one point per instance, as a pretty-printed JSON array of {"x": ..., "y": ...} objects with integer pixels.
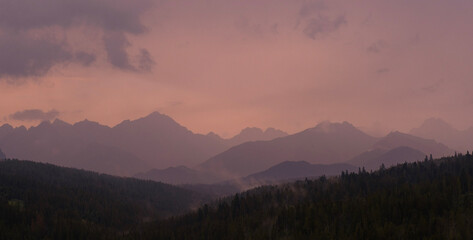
[
  {"x": 251, "y": 130},
  {"x": 156, "y": 114},
  {"x": 434, "y": 125},
  {"x": 87, "y": 122},
  {"x": 6, "y": 126},
  {"x": 436, "y": 122},
  {"x": 152, "y": 121},
  {"x": 59, "y": 123},
  {"x": 43, "y": 124},
  {"x": 213, "y": 135},
  {"x": 256, "y": 134},
  {"x": 157, "y": 117},
  {"x": 397, "y": 134},
  {"x": 397, "y": 139},
  {"x": 327, "y": 126}
]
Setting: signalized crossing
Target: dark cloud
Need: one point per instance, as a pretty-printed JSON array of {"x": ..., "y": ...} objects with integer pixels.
[
  {"x": 22, "y": 21},
  {"x": 22, "y": 56},
  {"x": 146, "y": 62},
  {"x": 113, "y": 15},
  {"x": 321, "y": 24},
  {"x": 85, "y": 58},
  {"x": 116, "y": 44},
  {"x": 34, "y": 115}
]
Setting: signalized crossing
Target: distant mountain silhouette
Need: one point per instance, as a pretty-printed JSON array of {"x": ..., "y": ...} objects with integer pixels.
[
  {"x": 297, "y": 170},
  {"x": 57, "y": 143},
  {"x": 178, "y": 175},
  {"x": 2, "y": 155},
  {"x": 154, "y": 141},
  {"x": 130, "y": 147},
  {"x": 427, "y": 146},
  {"x": 435, "y": 128},
  {"x": 256, "y": 134},
  {"x": 324, "y": 144},
  {"x": 360, "y": 160},
  {"x": 161, "y": 142},
  {"x": 373, "y": 159}
]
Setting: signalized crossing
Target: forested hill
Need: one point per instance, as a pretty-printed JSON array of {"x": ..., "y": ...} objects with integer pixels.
[
  {"x": 422, "y": 200},
  {"x": 45, "y": 201}
]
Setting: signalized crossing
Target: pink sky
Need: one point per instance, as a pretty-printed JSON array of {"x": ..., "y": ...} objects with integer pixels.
[{"x": 224, "y": 65}]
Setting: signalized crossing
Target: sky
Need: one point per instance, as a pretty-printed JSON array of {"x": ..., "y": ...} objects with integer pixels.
[{"x": 223, "y": 65}]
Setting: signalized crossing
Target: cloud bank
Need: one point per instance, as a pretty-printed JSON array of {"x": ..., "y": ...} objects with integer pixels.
[
  {"x": 34, "y": 115},
  {"x": 29, "y": 29}
]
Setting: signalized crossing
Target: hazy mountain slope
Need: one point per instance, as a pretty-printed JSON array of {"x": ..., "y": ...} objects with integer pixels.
[
  {"x": 5, "y": 130},
  {"x": 372, "y": 160},
  {"x": 298, "y": 170},
  {"x": 367, "y": 156},
  {"x": 434, "y": 128},
  {"x": 2, "y": 155},
  {"x": 161, "y": 142},
  {"x": 43, "y": 200},
  {"x": 154, "y": 141},
  {"x": 326, "y": 143},
  {"x": 397, "y": 139},
  {"x": 178, "y": 175},
  {"x": 57, "y": 143}
]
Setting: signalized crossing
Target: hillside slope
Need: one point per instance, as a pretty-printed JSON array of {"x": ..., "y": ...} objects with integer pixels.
[
  {"x": 45, "y": 201},
  {"x": 298, "y": 170},
  {"x": 324, "y": 144},
  {"x": 422, "y": 200}
]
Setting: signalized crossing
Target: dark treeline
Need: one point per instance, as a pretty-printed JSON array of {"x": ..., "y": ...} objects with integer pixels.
[
  {"x": 432, "y": 199},
  {"x": 424, "y": 200},
  {"x": 42, "y": 201}
]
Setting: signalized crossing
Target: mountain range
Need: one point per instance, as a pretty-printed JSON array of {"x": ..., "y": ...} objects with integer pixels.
[
  {"x": 157, "y": 148},
  {"x": 373, "y": 159},
  {"x": 438, "y": 129},
  {"x": 327, "y": 143},
  {"x": 154, "y": 141},
  {"x": 315, "y": 151},
  {"x": 324, "y": 144}
]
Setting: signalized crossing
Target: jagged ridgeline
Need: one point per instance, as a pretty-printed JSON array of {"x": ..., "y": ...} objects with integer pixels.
[
  {"x": 45, "y": 201},
  {"x": 422, "y": 200}
]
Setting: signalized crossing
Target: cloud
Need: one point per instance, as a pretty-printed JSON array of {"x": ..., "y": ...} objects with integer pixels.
[
  {"x": 146, "y": 62},
  {"x": 112, "y": 15},
  {"x": 322, "y": 24},
  {"x": 34, "y": 115},
  {"x": 116, "y": 44},
  {"x": 84, "y": 58},
  {"x": 22, "y": 56},
  {"x": 26, "y": 26}
]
